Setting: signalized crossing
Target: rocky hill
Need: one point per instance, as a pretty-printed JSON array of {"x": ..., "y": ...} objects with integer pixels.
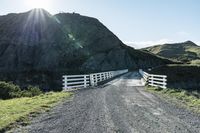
[
  {"x": 37, "y": 48},
  {"x": 184, "y": 52}
]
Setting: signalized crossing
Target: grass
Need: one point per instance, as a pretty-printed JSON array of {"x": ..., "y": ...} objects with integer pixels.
[
  {"x": 195, "y": 62},
  {"x": 190, "y": 100},
  {"x": 19, "y": 110},
  {"x": 195, "y": 49}
]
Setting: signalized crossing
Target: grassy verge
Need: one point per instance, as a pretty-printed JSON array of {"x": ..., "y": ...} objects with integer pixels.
[
  {"x": 188, "y": 100},
  {"x": 19, "y": 110}
]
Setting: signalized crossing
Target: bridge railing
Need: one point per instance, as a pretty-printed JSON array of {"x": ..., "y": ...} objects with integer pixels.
[
  {"x": 154, "y": 80},
  {"x": 83, "y": 81},
  {"x": 75, "y": 81}
]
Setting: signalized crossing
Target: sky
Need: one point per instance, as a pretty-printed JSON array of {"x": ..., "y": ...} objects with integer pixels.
[{"x": 138, "y": 23}]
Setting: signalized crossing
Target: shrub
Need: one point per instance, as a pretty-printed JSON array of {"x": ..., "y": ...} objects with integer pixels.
[
  {"x": 9, "y": 90},
  {"x": 31, "y": 92}
]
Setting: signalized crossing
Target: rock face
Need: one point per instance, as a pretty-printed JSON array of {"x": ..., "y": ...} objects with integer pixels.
[{"x": 37, "y": 48}]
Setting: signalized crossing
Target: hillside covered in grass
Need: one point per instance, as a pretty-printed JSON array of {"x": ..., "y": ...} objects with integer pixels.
[{"x": 185, "y": 52}]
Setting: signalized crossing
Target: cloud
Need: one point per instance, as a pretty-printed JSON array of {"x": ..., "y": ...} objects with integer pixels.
[{"x": 142, "y": 44}]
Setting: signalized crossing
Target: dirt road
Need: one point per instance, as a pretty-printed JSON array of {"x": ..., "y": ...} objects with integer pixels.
[{"x": 121, "y": 106}]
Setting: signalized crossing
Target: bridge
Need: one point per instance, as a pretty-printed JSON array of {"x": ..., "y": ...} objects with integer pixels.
[{"x": 83, "y": 81}]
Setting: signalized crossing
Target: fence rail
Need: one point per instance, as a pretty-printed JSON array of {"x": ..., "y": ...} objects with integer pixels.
[
  {"x": 154, "y": 80},
  {"x": 83, "y": 81}
]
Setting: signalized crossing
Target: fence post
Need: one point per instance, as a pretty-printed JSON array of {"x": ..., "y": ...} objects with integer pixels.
[
  {"x": 96, "y": 79},
  {"x": 65, "y": 82},
  {"x": 148, "y": 78},
  {"x": 145, "y": 77},
  {"x": 85, "y": 81},
  {"x": 100, "y": 77},
  {"x": 92, "y": 79},
  {"x": 164, "y": 82},
  {"x": 151, "y": 79}
]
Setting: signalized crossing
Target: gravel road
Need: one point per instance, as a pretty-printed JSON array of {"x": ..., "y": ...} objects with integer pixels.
[{"x": 120, "y": 106}]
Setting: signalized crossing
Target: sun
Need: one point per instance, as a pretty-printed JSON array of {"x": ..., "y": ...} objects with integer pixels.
[{"x": 38, "y": 3}]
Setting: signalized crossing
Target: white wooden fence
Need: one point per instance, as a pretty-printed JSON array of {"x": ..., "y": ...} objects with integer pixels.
[
  {"x": 83, "y": 81},
  {"x": 154, "y": 80}
]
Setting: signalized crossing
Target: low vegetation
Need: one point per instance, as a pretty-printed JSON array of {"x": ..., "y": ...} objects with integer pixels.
[
  {"x": 19, "y": 110},
  {"x": 190, "y": 100},
  {"x": 195, "y": 62},
  {"x": 9, "y": 90}
]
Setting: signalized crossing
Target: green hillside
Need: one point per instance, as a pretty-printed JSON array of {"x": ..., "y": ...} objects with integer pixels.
[{"x": 186, "y": 52}]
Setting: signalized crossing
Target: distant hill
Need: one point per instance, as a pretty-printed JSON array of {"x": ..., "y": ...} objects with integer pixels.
[
  {"x": 37, "y": 48},
  {"x": 184, "y": 52}
]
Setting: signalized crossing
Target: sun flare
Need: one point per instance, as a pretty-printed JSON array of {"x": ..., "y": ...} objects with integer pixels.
[{"x": 38, "y": 3}]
